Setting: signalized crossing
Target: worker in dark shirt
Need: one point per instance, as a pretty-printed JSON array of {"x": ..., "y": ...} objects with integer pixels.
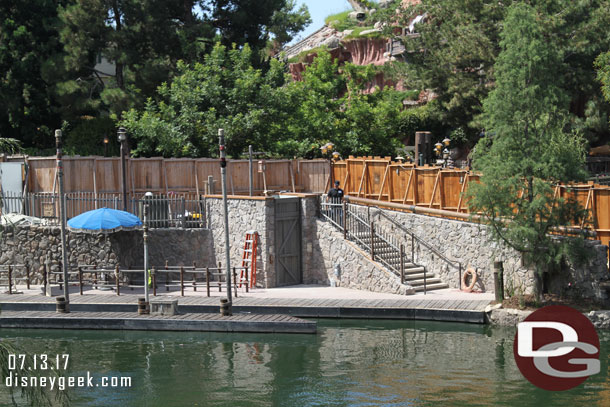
[
  {"x": 335, "y": 196},
  {"x": 335, "y": 193}
]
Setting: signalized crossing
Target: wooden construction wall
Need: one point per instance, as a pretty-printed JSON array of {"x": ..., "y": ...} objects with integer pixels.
[
  {"x": 385, "y": 180},
  {"x": 101, "y": 175}
]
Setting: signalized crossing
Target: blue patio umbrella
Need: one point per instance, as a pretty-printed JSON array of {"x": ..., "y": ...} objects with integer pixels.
[{"x": 104, "y": 220}]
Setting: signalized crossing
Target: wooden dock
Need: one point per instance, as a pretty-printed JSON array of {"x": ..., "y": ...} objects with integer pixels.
[
  {"x": 453, "y": 310},
  {"x": 204, "y": 322}
]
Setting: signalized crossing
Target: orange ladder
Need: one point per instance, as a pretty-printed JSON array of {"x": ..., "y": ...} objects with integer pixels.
[{"x": 248, "y": 259}]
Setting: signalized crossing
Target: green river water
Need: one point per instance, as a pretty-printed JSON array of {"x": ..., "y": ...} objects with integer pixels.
[{"x": 348, "y": 363}]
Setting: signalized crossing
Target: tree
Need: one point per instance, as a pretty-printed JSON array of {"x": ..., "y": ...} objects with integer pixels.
[
  {"x": 459, "y": 42},
  {"x": 224, "y": 91},
  {"x": 28, "y": 48},
  {"x": 526, "y": 150}
]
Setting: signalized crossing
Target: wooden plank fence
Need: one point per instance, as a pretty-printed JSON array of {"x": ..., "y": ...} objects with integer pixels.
[
  {"x": 381, "y": 179},
  {"x": 178, "y": 175}
]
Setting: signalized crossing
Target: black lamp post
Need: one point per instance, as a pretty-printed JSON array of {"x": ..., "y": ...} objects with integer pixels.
[
  {"x": 122, "y": 136},
  {"x": 106, "y": 141}
]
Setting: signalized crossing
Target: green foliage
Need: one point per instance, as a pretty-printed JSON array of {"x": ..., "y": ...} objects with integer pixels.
[
  {"x": 10, "y": 146},
  {"x": 225, "y": 91},
  {"x": 258, "y": 108},
  {"x": 602, "y": 63},
  {"x": 526, "y": 149},
  {"x": 340, "y": 21},
  {"x": 86, "y": 137},
  {"x": 461, "y": 42}
]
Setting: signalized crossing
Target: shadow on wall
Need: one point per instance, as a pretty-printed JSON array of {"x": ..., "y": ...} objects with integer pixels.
[{"x": 179, "y": 247}]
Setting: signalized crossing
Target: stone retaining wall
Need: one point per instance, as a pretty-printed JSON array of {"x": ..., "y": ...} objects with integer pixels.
[
  {"x": 34, "y": 244},
  {"x": 244, "y": 215},
  {"x": 470, "y": 244}
]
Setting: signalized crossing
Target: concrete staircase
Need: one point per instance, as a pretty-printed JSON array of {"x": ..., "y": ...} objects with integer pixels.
[
  {"x": 388, "y": 254},
  {"x": 386, "y": 248}
]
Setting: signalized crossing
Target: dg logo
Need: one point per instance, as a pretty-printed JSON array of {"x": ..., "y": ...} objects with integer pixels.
[{"x": 556, "y": 348}]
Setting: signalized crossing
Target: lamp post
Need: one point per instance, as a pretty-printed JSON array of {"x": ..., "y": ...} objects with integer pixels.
[
  {"x": 122, "y": 136},
  {"x": 62, "y": 217},
  {"x": 145, "y": 238},
  {"x": 327, "y": 152},
  {"x": 106, "y": 141},
  {"x": 223, "y": 176},
  {"x": 446, "y": 142}
]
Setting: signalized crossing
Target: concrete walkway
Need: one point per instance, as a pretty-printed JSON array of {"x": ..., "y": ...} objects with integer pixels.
[{"x": 302, "y": 291}]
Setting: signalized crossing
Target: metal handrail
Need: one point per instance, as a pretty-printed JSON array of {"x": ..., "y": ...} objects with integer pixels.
[{"x": 456, "y": 265}]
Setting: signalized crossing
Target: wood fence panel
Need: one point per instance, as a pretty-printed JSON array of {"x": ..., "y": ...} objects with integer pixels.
[
  {"x": 84, "y": 167},
  {"x": 107, "y": 175},
  {"x": 180, "y": 174},
  {"x": 149, "y": 175},
  {"x": 41, "y": 174},
  {"x": 312, "y": 175}
]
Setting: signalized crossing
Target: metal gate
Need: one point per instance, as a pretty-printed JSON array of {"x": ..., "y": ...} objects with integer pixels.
[{"x": 288, "y": 268}]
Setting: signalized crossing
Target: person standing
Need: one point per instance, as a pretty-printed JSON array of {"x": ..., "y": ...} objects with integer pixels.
[{"x": 335, "y": 198}]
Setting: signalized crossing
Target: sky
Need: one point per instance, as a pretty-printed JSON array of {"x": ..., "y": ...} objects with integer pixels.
[{"x": 319, "y": 10}]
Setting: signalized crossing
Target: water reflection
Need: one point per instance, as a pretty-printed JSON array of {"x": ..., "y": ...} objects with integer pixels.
[{"x": 349, "y": 363}]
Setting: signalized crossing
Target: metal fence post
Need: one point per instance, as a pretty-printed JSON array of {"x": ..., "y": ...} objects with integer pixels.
[{"x": 372, "y": 241}]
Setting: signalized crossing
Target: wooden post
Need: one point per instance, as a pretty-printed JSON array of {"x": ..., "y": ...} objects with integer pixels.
[
  {"x": 153, "y": 276},
  {"x": 182, "y": 281},
  {"x": 372, "y": 241},
  {"x": 499, "y": 281},
  {"x": 27, "y": 275},
  {"x": 80, "y": 279},
  {"x": 207, "y": 279},
  {"x": 10, "y": 279},
  {"x": 116, "y": 278}
]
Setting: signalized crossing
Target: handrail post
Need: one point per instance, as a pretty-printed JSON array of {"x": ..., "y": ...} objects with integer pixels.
[
  {"x": 207, "y": 279},
  {"x": 44, "y": 275},
  {"x": 460, "y": 275},
  {"x": 182, "y": 281},
  {"x": 412, "y": 248},
  {"x": 10, "y": 279},
  {"x": 219, "y": 277},
  {"x": 235, "y": 281},
  {"x": 344, "y": 220},
  {"x": 194, "y": 276},
  {"x": 27, "y": 275},
  {"x": 166, "y": 276},
  {"x": 402, "y": 264},
  {"x": 80, "y": 279},
  {"x": 153, "y": 277},
  {"x": 372, "y": 241},
  {"x": 247, "y": 280},
  {"x": 116, "y": 278}
]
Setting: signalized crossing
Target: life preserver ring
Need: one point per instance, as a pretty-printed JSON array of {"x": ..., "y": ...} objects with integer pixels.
[{"x": 468, "y": 288}]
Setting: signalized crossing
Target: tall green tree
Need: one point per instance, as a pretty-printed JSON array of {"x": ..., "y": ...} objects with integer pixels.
[
  {"x": 458, "y": 44},
  {"x": 29, "y": 47},
  {"x": 223, "y": 91},
  {"x": 526, "y": 149}
]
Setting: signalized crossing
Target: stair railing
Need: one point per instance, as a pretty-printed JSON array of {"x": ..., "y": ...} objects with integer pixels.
[
  {"x": 382, "y": 246},
  {"x": 457, "y": 265}
]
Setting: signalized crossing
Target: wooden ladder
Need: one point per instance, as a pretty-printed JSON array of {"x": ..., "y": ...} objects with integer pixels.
[{"x": 249, "y": 258}]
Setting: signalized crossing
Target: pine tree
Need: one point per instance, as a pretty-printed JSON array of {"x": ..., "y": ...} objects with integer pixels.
[{"x": 525, "y": 150}]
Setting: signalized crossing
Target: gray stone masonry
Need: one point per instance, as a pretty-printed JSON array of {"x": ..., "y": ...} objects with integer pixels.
[
  {"x": 470, "y": 244},
  {"x": 244, "y": 215},
  {"x": 34, "y": 244}
]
